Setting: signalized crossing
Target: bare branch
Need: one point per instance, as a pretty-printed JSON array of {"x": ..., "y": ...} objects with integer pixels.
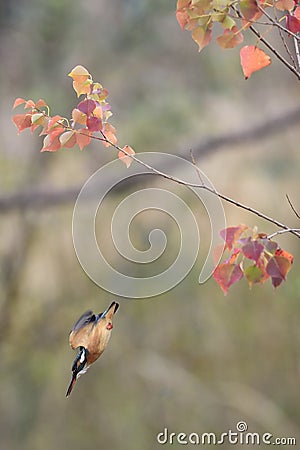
[
  {"x": 288, "y": 230},
  {"x": 292, "y": 206}
]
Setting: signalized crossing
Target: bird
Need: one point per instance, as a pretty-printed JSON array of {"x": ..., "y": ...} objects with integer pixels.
[{"x": 90, "y": 334}]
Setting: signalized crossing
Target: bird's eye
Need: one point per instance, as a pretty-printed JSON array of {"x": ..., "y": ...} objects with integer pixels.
[{"x": 109, "y": 326}]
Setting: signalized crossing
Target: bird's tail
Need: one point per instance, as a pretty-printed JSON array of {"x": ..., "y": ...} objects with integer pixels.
[{"x": 71, "y": 385}]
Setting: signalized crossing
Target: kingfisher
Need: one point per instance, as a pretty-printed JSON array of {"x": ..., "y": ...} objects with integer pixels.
[{"x": 90, "y": 334}]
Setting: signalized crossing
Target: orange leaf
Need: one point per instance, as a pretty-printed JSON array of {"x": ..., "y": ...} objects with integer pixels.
[
  {"x": 109, "y": 132},
  {"x": 285, "y": 254},
  {"x": 230, "y": 38},
  {"x": 285, "y": 5},
  {"x": 83, "y": 138},
  {"x": 125, "y": 158},
  {"x": 253, "y": 59},
  {"x": 79, "y": 73},
  {"x": 78, "y": 117}
]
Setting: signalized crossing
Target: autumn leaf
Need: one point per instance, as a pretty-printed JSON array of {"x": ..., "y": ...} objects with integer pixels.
[
  {"x": 81, "y": 80},
  {"x": 19, "y": 101},
  {"x": 78, "y": 117},
  {"x": 252, "y": 250},
  {"x": 226, "y": 275},
  {"x": 285, "y": 254},
  {"x": 231, "y": 234},
  {"x": 83, "y": 138},
  {"x": 230, "y": 38},
  {"x": 292, "y": 23},
  {"x": 68, "y": 139},
  {"x": 79, "y": 73},
  {"x": 253, "y": 59},
  {"x": 109, "y": 132},
  {"x": 202, "y": 36},
  {"x": 124, "y": 158},
  {"x": 22, "y": 121},
  {"x": 278, "y": 268},
  {"x": 285, "y": 5},
  {"x": 87, "y": 106},
  {"x": 250, "y": 10},
  {"x": 94, "y": 124},
  {"x": 254, "y": 275}
]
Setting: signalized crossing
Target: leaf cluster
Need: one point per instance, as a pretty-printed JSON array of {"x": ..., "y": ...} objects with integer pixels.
[
  {"x": 251, "y": 255},
  {"x": 236, "y": 16},
  {"x": 89, "y": 119}
]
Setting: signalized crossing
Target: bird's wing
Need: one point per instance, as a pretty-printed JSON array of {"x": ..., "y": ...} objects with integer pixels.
[{"x": 86, "y": 318}]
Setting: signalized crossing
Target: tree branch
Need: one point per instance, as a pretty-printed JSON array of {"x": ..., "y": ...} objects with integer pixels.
[{"x": 47, "y": 198}]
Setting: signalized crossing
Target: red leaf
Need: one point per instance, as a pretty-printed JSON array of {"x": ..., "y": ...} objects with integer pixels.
[
  {"x": 252, "y": 250},
  {"x": 18, "y": 101},
  {"x": 94, "y": 124},
  {"x": 29, "y": 104},
  {"x": 40, "y": 103},
  {"x": 87, "y": 106},
  {"x": 22, "y": 121},
  {"x": 182, "y": 18},
  {"x": 253, "y": 59},
  {"x": 54, "y": 122},
  {"x": 292, "y": 23},
  {"x": 226, "y": 275},
  {"x": 232, "y": 234},
  {"x": 51, "y": 143},
  {"x": 277, "y": 268},
  {"x": 124, "y": 158}
]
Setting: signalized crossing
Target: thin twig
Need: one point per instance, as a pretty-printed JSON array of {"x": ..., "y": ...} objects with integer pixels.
[
  {"x": 296, "y": 45},
  {"x": 288, "y": 230},
  {"x": 207, "y": 188},
  {"x": 292, "y": 206},
  {"x": 276, "y": 23}
]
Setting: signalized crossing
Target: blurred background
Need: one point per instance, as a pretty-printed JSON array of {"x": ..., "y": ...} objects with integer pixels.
[{"x": 191, "y": 359}]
